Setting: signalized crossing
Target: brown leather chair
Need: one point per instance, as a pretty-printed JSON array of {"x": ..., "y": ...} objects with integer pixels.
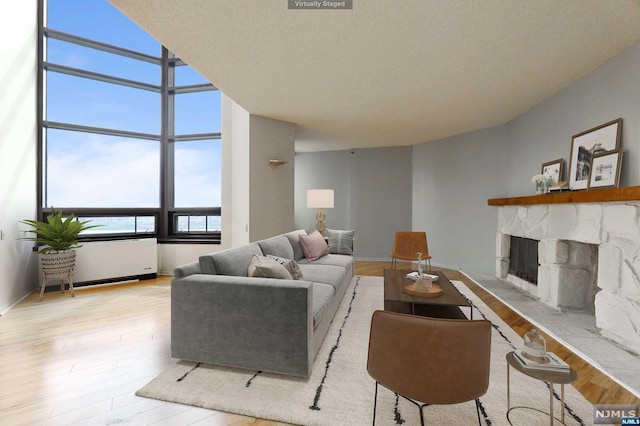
[
  {"x": 407, "y": 245},
  {"x": 429, "y": 360}
]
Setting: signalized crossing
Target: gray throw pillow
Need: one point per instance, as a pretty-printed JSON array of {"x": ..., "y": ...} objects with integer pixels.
[
  {"x": 290, "y": 265},
  {"x": 277, "y": 246},
  {"x": 340, "y": 242},
  {"x": 264, "y": 267}
]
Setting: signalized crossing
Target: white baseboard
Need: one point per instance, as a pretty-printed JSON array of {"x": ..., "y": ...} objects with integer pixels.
[{"x": 18, "y": 301}]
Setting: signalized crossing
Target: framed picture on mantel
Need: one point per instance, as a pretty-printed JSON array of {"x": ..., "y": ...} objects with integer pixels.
[
  {"x": 552, "y": 171},
  {"x": 585, "y": 145},
  {"x": 605, "y": 169}
]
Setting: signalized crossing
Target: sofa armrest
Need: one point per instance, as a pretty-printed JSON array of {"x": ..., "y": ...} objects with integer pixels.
[
  {"x": 253, "y": 323},
  {"x": 188, "y": 269}
]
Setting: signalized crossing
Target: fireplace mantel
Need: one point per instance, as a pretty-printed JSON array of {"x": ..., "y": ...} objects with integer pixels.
[{"x": 631, "y": 193}]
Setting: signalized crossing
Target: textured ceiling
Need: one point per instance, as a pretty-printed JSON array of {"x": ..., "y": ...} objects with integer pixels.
[{"x": 390, "y": 72}]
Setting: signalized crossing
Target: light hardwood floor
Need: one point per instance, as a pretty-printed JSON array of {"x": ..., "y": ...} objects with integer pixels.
[{"x": 80, "y": 360}]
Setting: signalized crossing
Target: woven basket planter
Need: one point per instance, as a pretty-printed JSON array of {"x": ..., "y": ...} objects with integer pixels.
[{"x": 58, "y": 264}]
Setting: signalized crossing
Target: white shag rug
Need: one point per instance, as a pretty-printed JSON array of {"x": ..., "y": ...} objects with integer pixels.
[{"x": 340, "y": 392}]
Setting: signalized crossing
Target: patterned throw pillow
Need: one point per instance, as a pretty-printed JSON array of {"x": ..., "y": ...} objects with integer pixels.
[
  {"x": 340, "y": 242},
  {"x": 290, "y": 265},
  {"x": 314, "y": 246},
  {"x": 264, "y": 267}
]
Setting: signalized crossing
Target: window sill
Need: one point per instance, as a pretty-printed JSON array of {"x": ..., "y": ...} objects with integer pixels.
[{"x": 189, "y": 241}]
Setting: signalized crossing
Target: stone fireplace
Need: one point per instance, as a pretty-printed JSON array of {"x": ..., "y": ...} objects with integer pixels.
[{"x": 589, "y": 256}]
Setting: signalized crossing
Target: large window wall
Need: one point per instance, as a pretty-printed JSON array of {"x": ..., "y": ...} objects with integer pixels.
[{"x": 130, "y": 134}]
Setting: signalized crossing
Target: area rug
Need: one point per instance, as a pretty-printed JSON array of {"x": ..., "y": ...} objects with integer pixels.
[{"x": 340, "y": 392}]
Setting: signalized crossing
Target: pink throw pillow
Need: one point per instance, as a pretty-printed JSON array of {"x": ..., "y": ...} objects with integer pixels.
[{"x": 314, "y": 245}]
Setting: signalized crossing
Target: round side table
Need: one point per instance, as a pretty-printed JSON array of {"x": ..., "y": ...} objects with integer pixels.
[{"x": 550, "y": 377}]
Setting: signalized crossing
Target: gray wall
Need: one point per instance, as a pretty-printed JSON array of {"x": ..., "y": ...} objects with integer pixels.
[
  {"x": 462, "y": 172},
  {"x": 372, "y": 194},
  {"x": 270, "y": 204},
  {"x": 544, "y": 133},
  {"x": 452, "y": 180}
]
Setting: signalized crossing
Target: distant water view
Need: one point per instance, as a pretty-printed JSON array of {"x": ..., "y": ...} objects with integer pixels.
[{"x": 147, "y": 224}]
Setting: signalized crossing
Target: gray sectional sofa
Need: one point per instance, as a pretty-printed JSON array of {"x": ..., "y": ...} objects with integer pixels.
[{"x": 220, "y": 315}]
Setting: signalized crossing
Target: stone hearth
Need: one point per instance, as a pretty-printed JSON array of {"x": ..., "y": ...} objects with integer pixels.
[{"x": 589, "y": 255}]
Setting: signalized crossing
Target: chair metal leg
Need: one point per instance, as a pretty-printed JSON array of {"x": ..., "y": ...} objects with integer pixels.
[
  {"x": 375, "y": 400},
  {"x": 420, "y": 407},
  {"x": 417, "y": 404}
]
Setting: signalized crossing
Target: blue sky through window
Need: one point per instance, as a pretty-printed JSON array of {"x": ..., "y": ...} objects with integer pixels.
[
  {"x": 88, "y": 102},
  {"x": 99, "y": 20},
  {"x": 90, "y": 170}
]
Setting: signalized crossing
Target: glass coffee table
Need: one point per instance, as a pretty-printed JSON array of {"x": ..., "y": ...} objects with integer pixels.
[{"x": 447, "y": 305}]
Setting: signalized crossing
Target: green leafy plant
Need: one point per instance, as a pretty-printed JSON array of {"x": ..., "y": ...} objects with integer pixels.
[{"x": 57, "y": 233}]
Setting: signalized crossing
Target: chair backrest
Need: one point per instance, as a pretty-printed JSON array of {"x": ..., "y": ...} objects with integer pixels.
[
  {"x": 406, "y": 245},
  {"x": 431, "y": 360}
]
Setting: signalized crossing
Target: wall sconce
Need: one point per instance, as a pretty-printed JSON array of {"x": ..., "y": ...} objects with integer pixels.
[
  {"x": 273, "y": 163},
  {"x": 320, "y": 199}
]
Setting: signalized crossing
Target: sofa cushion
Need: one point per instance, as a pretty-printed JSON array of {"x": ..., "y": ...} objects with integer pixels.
[
  {"x": 290, "y": 265},
  {"x": 331, "y": 259},
  {"x": 277, "y": 246},
  {"x": 233, "y": 261},
  {"x": 294, "y": 239},
  {"x": 314, "y": 245},
  {"x": 327, "y": 274},
  {"x": 264, "y": 267},
  {"x": 340, "y": 242},
  {"x": 322, "y": 296}
]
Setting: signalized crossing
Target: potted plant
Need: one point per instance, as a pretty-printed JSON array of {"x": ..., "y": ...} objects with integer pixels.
[{"x": 58, "y": 236}]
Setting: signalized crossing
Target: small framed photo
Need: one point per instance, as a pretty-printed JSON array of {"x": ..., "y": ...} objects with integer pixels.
[
  {"x": 585, "y": 145},
  {"x": 552, "y": 171},
  {"x": 605, "y": 169}
]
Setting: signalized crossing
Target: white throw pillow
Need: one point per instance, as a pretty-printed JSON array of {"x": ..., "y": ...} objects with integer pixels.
[
  {"x": 263, "y": 267},
  {"x": 291, "y": 265}
]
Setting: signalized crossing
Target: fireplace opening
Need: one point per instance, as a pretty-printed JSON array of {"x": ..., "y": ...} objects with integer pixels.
[{"x": 523, "y": 259}]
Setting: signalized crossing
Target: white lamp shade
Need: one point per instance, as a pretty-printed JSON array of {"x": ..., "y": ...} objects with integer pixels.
[{"x": 320, "y": 198}]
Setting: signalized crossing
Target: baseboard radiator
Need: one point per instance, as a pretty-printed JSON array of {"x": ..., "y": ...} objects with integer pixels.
[{"x": 113, "y": 261}]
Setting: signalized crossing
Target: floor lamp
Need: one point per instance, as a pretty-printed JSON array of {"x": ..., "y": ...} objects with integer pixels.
[{"x": 320, "y": 199}]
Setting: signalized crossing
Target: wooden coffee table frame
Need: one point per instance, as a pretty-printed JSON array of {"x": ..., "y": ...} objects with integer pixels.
[{"x": 447, "y": 305}]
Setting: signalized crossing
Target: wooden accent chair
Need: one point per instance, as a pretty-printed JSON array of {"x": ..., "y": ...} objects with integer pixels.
[
  {"x": 407, "y": 245},
  {"x": 429, "y": 360}
]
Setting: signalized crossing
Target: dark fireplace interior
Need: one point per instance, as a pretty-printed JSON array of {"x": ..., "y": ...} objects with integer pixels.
[{"x": 523, "y": 259}]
